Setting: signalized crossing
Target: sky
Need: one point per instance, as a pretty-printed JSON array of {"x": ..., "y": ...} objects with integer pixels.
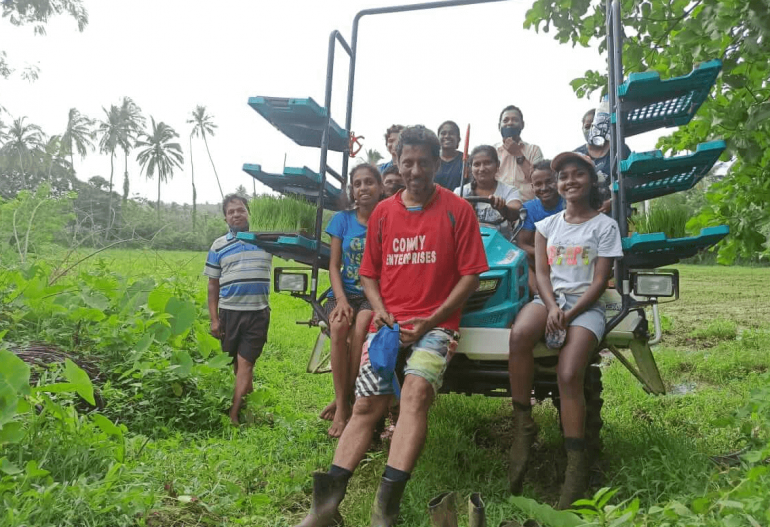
[{"x": 460, "y": 63}]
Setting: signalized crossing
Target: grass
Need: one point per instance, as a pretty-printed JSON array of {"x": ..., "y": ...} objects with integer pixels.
[{"x": 656, "y": 448}]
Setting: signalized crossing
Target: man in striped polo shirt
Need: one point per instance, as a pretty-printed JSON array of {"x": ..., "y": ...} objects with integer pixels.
[{"x": 238, "y": 293}]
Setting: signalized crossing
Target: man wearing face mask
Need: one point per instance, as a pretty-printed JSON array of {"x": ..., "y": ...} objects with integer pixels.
[
  {"x": 238, "y": 292},
  {"x": 517, "y": 158},
  {"x": 598, "y": 149}
]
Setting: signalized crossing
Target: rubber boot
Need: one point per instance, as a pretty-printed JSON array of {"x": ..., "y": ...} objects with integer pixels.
[
  {"x": 575, "y": 478},
  {"x": 477, "y": 514},
  {"x": 328, "y": 493},
  {"x": 443, "y": 510},
  {"x": 387, "y": 504},
  {"x": 525, "y": 432}
]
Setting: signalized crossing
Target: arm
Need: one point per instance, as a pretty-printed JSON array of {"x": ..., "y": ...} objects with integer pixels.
[
  {"x": 372, "y": 292},
  {"x": 526, "y": 242},
  {"x": 343, "y": 308},
  {"x": 602, "y": 270},
  {"x": 457, "y": 297},
  {"x": 556, "y": 319},
  {"x": 509, "y": 210},
  {"x": 213, "y": 303}
]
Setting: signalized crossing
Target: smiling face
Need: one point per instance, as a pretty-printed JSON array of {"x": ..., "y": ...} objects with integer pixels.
[
  {"x": 544, "y": 186},
  {"x": 236, "y": 216},
  {"x": 575, "y": 182},
  {"x": 448, "y": 137},
  {"x": 391, "y": 143},
  {"x": 418, "y": 167},
  {"x": 484, "y": 169},
  {"x": 367, "y": 188}
]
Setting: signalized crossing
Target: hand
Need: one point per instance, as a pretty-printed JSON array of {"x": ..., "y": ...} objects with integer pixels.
[
  {"x": 513, "y": 147},
  {"x": 420, "y": 326},
  {"x": 342, "y": 311},
  {"x": 497, "y": 203},
  {"x": 216, "y": 329},
  {"x": 606, "y": 207},
  {"x": 383, "y": 318},
  {"x": 556, "y": 320}
]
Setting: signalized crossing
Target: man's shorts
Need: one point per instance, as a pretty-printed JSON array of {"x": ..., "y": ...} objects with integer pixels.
[
  {"x": 245, "y": 332},
  {"x": 592, "y": 318},
  {"x": 357, "y": 302},
  {"x": 426, "y": 358}
]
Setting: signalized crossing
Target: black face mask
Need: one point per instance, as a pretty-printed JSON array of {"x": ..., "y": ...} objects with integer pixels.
[{"x": 510, "y": 131}]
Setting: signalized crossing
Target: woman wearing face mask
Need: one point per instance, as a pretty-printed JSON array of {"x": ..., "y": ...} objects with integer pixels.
[
  {"x": 516, "y": 156},
  {"x": 348, "y": 309},
  {"x": 574, "y": 253},
  {"x": 505, "y": 200}
]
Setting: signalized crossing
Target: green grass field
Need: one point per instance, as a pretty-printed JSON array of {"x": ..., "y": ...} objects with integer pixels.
[{"x": 656, "y": 449}]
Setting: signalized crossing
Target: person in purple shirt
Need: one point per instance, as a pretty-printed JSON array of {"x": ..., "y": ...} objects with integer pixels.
[{"x": 547, "y": 202}]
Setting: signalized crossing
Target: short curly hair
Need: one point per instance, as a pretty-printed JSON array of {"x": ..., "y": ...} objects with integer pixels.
[
  {"x": 234, "y": 197},
  {"x": 394, "y": 129},
  {"x": 510, "y": 108},
  {"x": 419, "y": 135}
]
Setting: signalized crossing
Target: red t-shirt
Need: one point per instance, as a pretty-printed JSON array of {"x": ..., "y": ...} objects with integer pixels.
[{"x": 419, "y": 256}]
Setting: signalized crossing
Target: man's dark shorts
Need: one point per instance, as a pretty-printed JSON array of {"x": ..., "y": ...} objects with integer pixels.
[{"x": 245, "y": 332}]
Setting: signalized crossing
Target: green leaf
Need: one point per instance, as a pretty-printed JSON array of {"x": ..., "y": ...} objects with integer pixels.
[
  {"x": 33, "y": 471},
  {"x": 220, "y": 360},
  {"x": 74, "y": 374},
  {"x": 206, "y": 343},
  {"x": 545, "y": 514},
  {"x": 143, "y": 343},
  {"x": 12, "y": 432},
  {"x": 184, "y": 362},
  {"x": 8, "y": 468},
  {"x": 176, "y": 388},
  {"x": 183, "y": 315},
  {"x": 158, "y": 299},
  {"x": 14, "y": 373}
]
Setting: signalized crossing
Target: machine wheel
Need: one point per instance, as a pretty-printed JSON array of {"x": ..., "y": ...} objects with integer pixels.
[{"x": 594, "y": 402}]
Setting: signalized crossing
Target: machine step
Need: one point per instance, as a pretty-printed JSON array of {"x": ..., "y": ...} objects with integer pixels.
[
  {"x": 302, "y": 120},
  {"x": 649, "y": 175},
  {"x": 298, "y": 182},
  {"x": 649, "y": 251},
  {"x": 649, "y": 103}
]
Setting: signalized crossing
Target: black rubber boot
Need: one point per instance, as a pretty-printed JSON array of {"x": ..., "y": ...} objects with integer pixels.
[
  {"x": 443, "y": 510},
  {"x": 328, "y": 493},
  {"x": 575, "y": 478},
  {"x": 525, "y": 432},
  {"x": 477, "y": 514},
  {"x": 387, "y": 504}
]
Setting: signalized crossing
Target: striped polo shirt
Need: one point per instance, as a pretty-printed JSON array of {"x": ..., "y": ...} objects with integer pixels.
[{"x": 243, "y": 270}]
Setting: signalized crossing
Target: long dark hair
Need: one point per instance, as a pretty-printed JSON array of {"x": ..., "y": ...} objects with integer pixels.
[
  {"x": 489, "y": 150},
  {"x": 363, "y": 166}
]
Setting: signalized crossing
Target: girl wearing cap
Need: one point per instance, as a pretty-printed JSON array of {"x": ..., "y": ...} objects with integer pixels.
[
  {"x": 574, "y": 253},
  {"x": 347, "y": 307}
]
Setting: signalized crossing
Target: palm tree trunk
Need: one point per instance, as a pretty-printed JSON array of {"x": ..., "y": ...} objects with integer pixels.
[
  {"x": 195, "y": 195},
  {"x": 158, "y": 205},
  {"x": 21, "y": 171},
  {"x": 125, "y": 178},
  {"x": 212, "y": 166},
  {"x": 109, "y": 200}
]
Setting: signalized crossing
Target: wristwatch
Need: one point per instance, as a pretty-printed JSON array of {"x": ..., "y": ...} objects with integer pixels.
[{"x": 520, "y": 160}]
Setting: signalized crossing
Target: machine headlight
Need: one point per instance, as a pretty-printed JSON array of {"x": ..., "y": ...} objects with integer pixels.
[
  {"x": 487, "y": 285},
  {"x": 287, "y": 281},
  {"x": 656, "y": 284}
]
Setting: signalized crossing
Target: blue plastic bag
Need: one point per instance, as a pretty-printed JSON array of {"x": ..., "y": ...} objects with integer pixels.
[{"x": 383, "y": 354}]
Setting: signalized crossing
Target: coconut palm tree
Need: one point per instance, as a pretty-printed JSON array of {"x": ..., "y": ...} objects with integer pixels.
[
  {"x": 23, "y": 140},
  {"x": 158, "y": 154},
  {"x": 51, "y": 153},
  {"x": 110, "y": 130},
  {"x": 78, "y": 136},
  {"x": 132, "y": 124},
  {"x": 373, "y": 157},
  {"x": 203, "y": 124}
]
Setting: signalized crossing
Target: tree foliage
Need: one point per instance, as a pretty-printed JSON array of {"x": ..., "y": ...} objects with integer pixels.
[
  {"x": 671, "y": 37},
  {"x": 159, "y": 154}
]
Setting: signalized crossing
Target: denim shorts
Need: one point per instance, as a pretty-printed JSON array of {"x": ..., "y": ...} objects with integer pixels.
[
  {"x": 426, "y": 358},
  {"x": 592, "y": 318}
]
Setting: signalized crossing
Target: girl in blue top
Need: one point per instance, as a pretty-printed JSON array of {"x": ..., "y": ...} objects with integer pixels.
[{"x": 347, "y": 307}]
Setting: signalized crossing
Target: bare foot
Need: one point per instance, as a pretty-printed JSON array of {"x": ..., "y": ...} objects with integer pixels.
[
  {"x": 339, "y": 423},
  {"x": 327, "y": 413}
]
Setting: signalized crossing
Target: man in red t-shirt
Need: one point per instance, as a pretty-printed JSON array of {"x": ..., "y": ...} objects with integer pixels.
[{"x": 422, "y": 261}]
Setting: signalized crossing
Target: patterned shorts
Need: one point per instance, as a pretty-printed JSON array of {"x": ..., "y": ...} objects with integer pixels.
[
  {"x": 426, "y": 358},
  {"x": 357, "y": 302}
]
